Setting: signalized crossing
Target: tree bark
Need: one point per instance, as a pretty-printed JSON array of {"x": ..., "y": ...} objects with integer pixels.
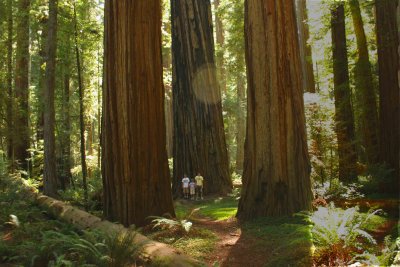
[
  {"x": 81, "y": 110},
  {"x": 21, "y": 124},
  {"x": 10, "y": 132},
  {"x": 50, "y": 181},
  {"x": 66, "y": 176},
  {"x": 240, "y": 123},
  {"x": 344, "y": 123},
  {"x": 305, "y": 47},
  {"x": 276, "y": 169},
  {"x": 136, "y": 180},
  {"x": 199, "y": 138},
  {"x": 365, "y": 90},
  {"x": 389, "y": 82}
]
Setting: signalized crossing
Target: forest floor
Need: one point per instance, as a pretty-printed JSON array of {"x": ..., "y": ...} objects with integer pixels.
[
  {"x": 216, "y": 237},
  {"x": 264, "y": 242}
]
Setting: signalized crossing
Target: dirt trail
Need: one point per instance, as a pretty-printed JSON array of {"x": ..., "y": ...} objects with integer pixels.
[{"x": 234, "y": 248}]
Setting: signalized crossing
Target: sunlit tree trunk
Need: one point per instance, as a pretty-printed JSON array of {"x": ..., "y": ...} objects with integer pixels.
[
  {"x": 276, "y": 165},
  {"x": 389, "y": 82},
  {"x": 365, "y": 91},
  {"x": 51, "y": 182},
  {"x": 305, "y": 47},
  {"x": 134, "y": 158},
  {"x": 344, "y": 123},
  {"x": 199, "y": 138},
  {"x": 21, "y": 123},
  {"x": 10, "y": 133}
]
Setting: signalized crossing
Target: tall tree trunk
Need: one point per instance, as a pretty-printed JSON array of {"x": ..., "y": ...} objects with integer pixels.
[
  {"x": 81, "y": 109},
  {"x": 240, "y": 123},
  {"x": 10, "y": 132},
  {"x": 199, "y": 138},
  {"x": 344, "y": 123},
  {"x": 21, "y": 124},
  {"x": 389, "y": 82},
  {"x": 51, "y": 182},
  {"x": 305, "y": 47},
  {"x": 277, "y": 168},
  {"x": 134, "y": 160},
  {"x": 42, "y": 78},
  {"x": 169, "y": 121},
  {"x": 66, "y": 176},
  {"x": 220, "y": 41},
  {"x": 365, "y": 90}
]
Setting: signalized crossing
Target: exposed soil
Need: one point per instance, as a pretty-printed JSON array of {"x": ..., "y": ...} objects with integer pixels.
[{"x": 234, "y": 248}]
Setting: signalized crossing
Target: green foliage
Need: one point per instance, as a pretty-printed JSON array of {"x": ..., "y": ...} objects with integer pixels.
[
  {"x": 378, "y": 178},
  {"x": 339, "y": 235},
  {"x": 334, "y": 189}
]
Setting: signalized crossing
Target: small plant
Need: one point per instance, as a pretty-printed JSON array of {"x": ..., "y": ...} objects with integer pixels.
[
  {"x": 339, "y": 235},
  {"x": 171, "y": 224}
]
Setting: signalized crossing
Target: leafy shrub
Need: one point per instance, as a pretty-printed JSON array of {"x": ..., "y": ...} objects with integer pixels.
[
  {"x": 92, "y": 247},
  {"x": 335, "y": 189},
  {"x": 339, "y": 235}
]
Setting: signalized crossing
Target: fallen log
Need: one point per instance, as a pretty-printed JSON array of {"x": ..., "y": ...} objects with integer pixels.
[{"x": 154, "y": 253}]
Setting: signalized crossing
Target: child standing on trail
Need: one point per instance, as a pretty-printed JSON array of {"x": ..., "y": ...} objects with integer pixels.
[
  {"x": 199, "y": 185},
  {"x": 185, "y": 186},
  {"x": 192, "y": 186}
]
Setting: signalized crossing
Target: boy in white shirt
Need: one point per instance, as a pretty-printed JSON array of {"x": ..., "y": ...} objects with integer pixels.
[{"x": 185, "y": 186}]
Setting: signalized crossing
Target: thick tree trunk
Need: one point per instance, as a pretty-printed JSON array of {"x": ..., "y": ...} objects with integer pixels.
[
  {"x": 81, "y": 109},
  {"x": 199, "y": 138},
  {"x": 365, "y": 90},
  {"x": 134, "y": 159},
  {"x": 10, "y": 131},
  {"x": 276, "y": 169},
  {"x": 305, "y": 47},
  {"x": 51, "y": 183},
  {"x": 240, "y": 124},
  {"x": 389, "y": 82},
  {"x": 344, "y": 123},
  {"x": 21, "y": 124}
]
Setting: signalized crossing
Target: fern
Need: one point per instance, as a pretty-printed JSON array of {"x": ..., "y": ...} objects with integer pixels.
[{"x": 341, "y": 232}]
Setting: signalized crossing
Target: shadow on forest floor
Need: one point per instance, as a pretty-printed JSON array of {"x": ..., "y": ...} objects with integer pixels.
[{"x": 263, "y": 242}]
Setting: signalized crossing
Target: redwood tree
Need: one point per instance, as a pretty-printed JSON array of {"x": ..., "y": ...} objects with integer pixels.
[
  {"x": 276, "y": 168},
  {"x": 365, "y": 90},
  {"x": 389, "y": 91},
  {"x": 51, "y": 181},
  {"x": 10, "y": 142},
  {"x": 199, "y": 138},
  {"x": 134, "y": 159},
  {"x": 21, "y": 123},
  {"x": 305, "y": 47},
  {"x": 344, "y": 123}
]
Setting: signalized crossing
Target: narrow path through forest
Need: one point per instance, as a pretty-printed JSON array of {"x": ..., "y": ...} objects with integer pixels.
[{"x": 234, "y": 248}]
